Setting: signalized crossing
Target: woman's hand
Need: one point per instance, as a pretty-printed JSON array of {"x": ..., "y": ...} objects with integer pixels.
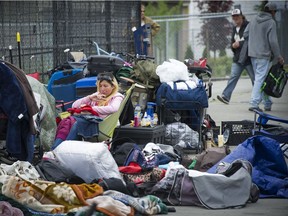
[{"x": 96, "y": 97}]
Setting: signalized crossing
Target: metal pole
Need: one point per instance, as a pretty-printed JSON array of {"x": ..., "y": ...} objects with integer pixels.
[
  {"x": 19, "y": 48},
  {"x": 10, "y": 54},
  {"x": 167, "y": 39}
]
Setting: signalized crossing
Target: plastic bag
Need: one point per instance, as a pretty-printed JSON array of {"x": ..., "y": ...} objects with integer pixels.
[
  {"x": 172, "y": 71},
  {"x": 181, "y": 134}
]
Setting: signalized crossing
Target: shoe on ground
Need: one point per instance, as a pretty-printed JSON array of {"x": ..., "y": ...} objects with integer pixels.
[
  {"x": 222, "y": 99},
  {"x": 267, "y": 109},
  {"x": 252, "y": 109},
  {"x": 6, "y": 158}
]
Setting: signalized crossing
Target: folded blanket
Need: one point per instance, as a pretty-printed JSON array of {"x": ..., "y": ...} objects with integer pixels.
[{"x": 47, "y": 196}]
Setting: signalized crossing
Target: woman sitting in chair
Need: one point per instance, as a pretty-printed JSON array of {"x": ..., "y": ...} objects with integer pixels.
[
  {"x": 106, "y": 100},
  {"x": 100, "y": 104}
]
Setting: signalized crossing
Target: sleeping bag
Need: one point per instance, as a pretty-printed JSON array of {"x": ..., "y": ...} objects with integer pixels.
[{"x": 269, "y": 167}]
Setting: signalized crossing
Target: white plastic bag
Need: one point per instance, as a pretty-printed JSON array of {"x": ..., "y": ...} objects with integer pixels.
[
  {"x": 172, "y": 71},
  {"x": 87, "y": 160}
]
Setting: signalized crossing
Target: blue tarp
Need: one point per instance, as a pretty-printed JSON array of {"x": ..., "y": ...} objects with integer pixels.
[{"x": 270, "y": 172}]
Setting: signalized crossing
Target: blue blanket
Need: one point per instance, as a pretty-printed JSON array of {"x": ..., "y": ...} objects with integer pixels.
[{"x": 270, "y": 172}]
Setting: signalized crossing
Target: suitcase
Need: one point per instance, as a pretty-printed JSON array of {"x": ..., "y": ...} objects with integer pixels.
[
  {"x": 64, "y": 77},
  {"x": 85, "y": 86},
  {"x": 103, "y": 63}
]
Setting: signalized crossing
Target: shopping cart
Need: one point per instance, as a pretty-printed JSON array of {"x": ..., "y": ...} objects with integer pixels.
[{"x": 178, "y": 114}]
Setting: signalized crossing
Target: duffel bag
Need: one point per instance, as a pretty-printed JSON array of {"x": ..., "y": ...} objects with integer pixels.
[{"x": 181, "y": 91}]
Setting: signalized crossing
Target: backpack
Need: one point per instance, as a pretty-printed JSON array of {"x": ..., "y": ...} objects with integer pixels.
[
  {"x": 125, "y": 71},
  {"x": 210, "y": 157},
  {"x": 275, "y": 81},
  {"x": 51, "y": 170},
  {"x": 145, "y": 72}
]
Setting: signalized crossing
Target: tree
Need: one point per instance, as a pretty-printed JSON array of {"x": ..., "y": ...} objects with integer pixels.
[
  {"x": 215, "y": 31},
  {"x": 205, "y": 54},
  {"x": 189, "y": 53},
  {"x": 260, "y": 7},
  {"x": 161, "y": 8}
]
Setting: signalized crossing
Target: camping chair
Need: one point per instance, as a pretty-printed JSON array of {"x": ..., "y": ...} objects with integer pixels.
[
  {"x": 108, "y": 125},
  {"x": 276, "y": 132}
]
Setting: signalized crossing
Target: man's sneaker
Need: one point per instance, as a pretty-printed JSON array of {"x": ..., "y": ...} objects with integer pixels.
[
  {"x": 222, "y": 99},
  {"x": 252, "y": 109},
  {"x": 267, "y": 109}
]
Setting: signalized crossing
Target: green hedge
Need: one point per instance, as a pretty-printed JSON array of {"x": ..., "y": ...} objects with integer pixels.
[{"x": 221, "y": 66}]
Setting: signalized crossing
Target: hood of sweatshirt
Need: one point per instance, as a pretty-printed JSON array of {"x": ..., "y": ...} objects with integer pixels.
[{"x": 263, "y": 17}]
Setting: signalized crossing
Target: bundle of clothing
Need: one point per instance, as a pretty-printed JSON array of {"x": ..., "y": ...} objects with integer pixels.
[{"x": 18, "y": 103}]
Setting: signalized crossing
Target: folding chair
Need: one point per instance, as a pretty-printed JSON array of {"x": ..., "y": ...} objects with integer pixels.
[
  {"x": 108, "y": 125},
  {"x": 276, "y": 132}
]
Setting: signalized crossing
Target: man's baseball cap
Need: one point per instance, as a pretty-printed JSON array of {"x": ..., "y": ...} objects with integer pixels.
[
  {"x": 271, "y": 6},
  {"x": 236, "y": 12}
]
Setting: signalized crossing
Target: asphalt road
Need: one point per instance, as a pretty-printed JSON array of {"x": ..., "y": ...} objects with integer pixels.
[{"x": 237, "y": 110}]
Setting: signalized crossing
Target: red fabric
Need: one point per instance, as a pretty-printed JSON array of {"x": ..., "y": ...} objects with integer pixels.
[
  {"x": 35, "y": 75},
  {"x": 86, "y": 108},
  {"x": 132, "y": 168}
]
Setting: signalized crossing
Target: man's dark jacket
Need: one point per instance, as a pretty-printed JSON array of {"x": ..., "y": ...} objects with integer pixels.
[{"x": 238, "y": 50}]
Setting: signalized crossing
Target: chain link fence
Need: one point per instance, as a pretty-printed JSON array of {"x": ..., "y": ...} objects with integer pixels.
[
  {"x": 205, "y": 32},
  {"x": 47, "y": 28}
]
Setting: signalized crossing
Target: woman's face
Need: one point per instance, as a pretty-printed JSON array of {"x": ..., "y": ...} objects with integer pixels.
[
  {"x": 105, "y": 87},
  {"x": 238, "y": 20}
]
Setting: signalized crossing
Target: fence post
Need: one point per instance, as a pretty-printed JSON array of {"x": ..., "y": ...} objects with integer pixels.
[
  {"x": 108, "y": 25},
  {"x": 167, "y": 39}
]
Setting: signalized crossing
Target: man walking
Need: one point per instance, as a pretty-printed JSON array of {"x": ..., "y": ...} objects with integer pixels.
[
  {"x": 262, "y": 48},
  {"x": 237, "y": 41}
]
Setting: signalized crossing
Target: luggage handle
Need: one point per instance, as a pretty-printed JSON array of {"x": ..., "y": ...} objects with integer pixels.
[{"x": 179, "y": 81}]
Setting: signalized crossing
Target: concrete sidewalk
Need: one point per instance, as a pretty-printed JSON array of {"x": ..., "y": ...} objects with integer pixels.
[{"x": 237, "y": 110}]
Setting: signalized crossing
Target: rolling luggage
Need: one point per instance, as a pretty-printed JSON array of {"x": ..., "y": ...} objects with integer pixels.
[{"x": 103, "y": 63}]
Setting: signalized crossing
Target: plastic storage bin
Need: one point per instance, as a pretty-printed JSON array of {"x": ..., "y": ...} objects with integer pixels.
[
  {"x": 239, "y": 131},
  {"x": 65, "y": 93},
  {"x": 64, "y": 77},
  {"x": 141, "y": 135},
  {"x": 86, "y": 86}
]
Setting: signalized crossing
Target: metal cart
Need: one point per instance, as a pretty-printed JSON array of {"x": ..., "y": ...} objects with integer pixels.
[{"x": 191, "y": 113}]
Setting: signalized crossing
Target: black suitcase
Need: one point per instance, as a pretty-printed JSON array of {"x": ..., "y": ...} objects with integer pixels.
[{"x": 103, "y": 63}]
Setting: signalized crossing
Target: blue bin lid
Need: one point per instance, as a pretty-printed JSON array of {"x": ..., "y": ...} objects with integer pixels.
[{"x": 86, "y": 82}]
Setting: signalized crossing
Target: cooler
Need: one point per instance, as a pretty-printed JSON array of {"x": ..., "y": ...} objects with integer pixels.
[{"x": 141, "y": 135}]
